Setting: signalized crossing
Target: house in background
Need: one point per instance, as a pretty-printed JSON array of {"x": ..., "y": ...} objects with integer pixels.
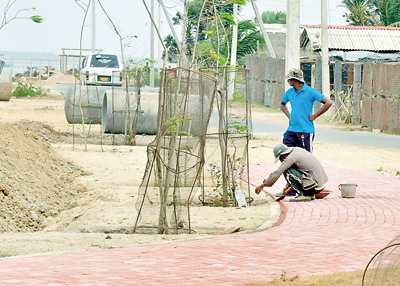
[
  {"x": 277, "y": 37},
  {"x": 345, "y": 43},
  {"x": 348, "y": 45},
  {"x": 353, "y": 43}
]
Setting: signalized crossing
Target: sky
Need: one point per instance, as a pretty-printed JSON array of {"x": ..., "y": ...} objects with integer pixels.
[{"x": 61, "y": 27}]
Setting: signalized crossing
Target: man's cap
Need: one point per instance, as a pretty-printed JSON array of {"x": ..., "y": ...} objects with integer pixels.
[
  {"x": 281, "y": 149},
  {"x": 295, "y": 74}
]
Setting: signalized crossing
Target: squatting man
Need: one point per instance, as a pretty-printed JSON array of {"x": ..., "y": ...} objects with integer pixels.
[{"x": 304, "y": 174}]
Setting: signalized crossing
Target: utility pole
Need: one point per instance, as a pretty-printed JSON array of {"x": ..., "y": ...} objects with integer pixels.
[
  {"x": 171, "y": 26},
  {"x": 325, "y": 50},
  {"x": 231, "y": 83},
  {"x": 158, "y": 33},
  {"x": 159, "y": 45},
  {"x": 93, "y": 27},
  {"x": 265, "y": 35},
  {"x": 152, "y": 47},
  {"x": 234, "y": 35},
  {"x": 292, "y": 36}
]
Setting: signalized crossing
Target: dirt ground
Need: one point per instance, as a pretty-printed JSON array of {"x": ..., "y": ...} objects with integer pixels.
[{"x": 59, "y": 194}]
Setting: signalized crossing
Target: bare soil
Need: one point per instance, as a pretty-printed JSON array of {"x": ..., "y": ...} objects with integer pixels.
[{"x": 59, "y": 194}]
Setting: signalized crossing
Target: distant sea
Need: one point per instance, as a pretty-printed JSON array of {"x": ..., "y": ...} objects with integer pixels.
[{"x": 20, "y": 62}]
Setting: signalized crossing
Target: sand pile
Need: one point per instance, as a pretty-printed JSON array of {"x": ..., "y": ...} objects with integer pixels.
[
  {"x": 59, "y": 77},
  {"x": 35, "y": 183}
]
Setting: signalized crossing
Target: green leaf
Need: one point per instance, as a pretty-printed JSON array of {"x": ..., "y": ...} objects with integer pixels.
[
  {"x": 37, "y": 19},
  {"x": 238, "y": 98},
  {"x": 228, "y": 17},
  {"x": 238, "y": 80},
  {"x": 240, "y": 2},
  {"x": 171, "y": 129}
]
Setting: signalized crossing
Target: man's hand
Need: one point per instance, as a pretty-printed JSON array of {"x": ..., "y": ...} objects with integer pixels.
[
  {"x": 326, "y": 104},
  {"x": 259, "y": 189},
  {"x": 312, "y": 117},
  {"x": 285, "y": 110},
  {"x": 286, "y": 190}
]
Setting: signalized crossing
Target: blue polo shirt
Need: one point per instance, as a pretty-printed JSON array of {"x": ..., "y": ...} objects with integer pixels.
[{"x": 302, "y": 104}]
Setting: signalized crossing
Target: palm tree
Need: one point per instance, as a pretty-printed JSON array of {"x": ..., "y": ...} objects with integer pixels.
[
  {"x": 202, "y": 10},
  {"x": 248, "y": 36},
  {"x": 272, "y": 17},
  {"x": 388, "y": 11},
  {"x": 212, "y": 36},
  {"x": 172, "y": 48},
  {"x": 360, "y": 13}
]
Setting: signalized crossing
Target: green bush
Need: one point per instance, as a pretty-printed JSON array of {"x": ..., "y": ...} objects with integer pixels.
[
  {"x": 145, "y": 79},
  {"x": 25, "y": 90}
]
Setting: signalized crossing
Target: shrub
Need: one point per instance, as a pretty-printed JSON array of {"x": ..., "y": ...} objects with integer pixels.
[{"x": 25, "y": 90}]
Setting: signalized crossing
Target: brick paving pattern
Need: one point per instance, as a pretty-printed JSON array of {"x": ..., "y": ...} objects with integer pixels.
[{"x": 324, "y": 236}]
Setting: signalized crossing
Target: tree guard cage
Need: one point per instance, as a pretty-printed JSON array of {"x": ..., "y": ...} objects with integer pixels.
[
  {"x": 384, "y": 266},
  {"x": 230, "y": 139},
  {"x": 176, "y": 157},
  {"x": 83, "y": 106}
]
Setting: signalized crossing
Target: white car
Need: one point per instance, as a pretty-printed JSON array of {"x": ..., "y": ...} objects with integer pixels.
[{"x": 102, "y": 69}]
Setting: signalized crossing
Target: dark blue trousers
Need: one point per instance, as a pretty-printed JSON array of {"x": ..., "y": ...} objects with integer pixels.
[
  {"x": 299, "y": 139},
  {"x": 293, "y": 178}
]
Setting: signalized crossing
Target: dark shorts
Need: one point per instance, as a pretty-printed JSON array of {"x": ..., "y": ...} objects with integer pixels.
[{"x": 299, "y": 139}]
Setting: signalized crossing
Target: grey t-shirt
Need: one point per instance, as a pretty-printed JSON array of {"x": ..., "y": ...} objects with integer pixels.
[{"x": 314, "y": 175}]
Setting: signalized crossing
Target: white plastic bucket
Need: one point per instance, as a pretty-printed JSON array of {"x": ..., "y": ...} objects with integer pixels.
[{"x": 348, "y": 190}]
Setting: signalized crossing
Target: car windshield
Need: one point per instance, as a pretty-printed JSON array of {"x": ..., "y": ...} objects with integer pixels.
[{"x": 104, "y": 61}]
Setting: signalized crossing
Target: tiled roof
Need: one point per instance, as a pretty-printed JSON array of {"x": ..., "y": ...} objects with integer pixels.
[{"x": 354, "y": 38}]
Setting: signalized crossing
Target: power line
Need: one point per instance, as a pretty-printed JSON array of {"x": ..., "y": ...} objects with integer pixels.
[{"x": 177, "y": 3}]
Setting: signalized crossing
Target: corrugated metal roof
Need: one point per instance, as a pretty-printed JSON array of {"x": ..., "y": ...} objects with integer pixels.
[{"x": 354, "y": 38}]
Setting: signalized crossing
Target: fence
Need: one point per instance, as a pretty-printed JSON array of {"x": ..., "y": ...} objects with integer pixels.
[
  {"x": 30, "y": 67},
  {"x": 381, "y": 96},
  {"x": 374, "y": 88},
  {"x": 266, "y": 79}
]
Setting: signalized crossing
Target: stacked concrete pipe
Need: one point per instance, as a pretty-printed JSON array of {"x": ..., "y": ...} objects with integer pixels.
[
  {"x": 5, "y": 86},
  {"x": 115, "y": 117},
  {"x": 89, "y": 99},
  {"x": 102, "y": 105}
]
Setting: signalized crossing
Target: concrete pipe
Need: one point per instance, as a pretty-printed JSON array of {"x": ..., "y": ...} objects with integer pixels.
[
  {"x": 87, "y": 98},
  {"x": 197, "y": 126},
  {"x": 115, "y": 119},
  {"x": 5, "y": 86}
]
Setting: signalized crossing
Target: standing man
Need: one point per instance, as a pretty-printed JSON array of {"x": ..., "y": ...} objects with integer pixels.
[{"x": 301, "y": 131}]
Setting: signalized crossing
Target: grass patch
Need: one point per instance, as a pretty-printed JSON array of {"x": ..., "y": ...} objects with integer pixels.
[{"x": 338, "y": 279}]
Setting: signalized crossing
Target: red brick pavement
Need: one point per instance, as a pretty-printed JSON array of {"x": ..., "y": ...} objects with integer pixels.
[{"x": 319, "y": 237}]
